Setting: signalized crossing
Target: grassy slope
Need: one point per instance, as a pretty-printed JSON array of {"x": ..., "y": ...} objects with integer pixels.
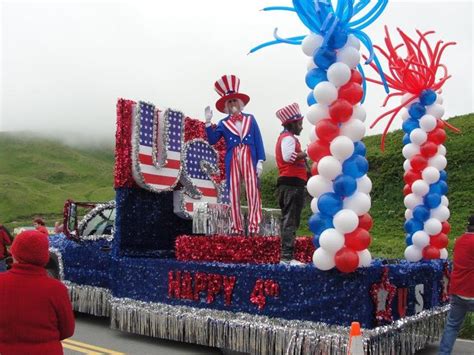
[{"x": 38, "y": 175}]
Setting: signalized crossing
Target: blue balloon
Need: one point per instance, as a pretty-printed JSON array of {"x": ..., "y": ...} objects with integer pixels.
[
  {"x": 356, "y": 166},
  {"x": 409, "y": 239},
  {"x": 315, "y": 76},
  {"x": 443, "y": 175},
  {"x": 432, "y": 200},
  {"x": 345, "y": 185},
  {"x": 406, "y": 139},
  {"x": 412, "y": 225},
  {"x": 319, "y": 222},
  {"x": 316, "y": 241},
  {"x": 329, "y": 203},
  {"x": 409, "y": 125},
  {"x": 427, "y": 97},
  {"x": 421, "y": 213},
  {"x": 311, "y": 100},
  {"x": 416, "y": 110},
  {"x": 359, "y": 148},
  {"x": 338, "y": 39},
  {"x": 440, "y": 187},
  {"x": 324, "y": 57}
]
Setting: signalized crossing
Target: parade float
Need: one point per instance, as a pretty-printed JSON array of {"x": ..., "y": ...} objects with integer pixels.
[{"x": 161, "y": 259}]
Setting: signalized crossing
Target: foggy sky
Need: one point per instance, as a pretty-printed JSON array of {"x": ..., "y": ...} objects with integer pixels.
[{"x": 65, "y": 63}]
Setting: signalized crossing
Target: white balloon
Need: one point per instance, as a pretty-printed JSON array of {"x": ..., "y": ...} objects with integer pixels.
[
  {"x": 444, "y": 201},
  {"x": 311, "y": 64},
  {"x": 413, "y": 254},
  {"x": 409, "y": 150},
  {"x": 353, "y": 41},
  {"x": 435, "y": 110},
  {"x": 358, "y": 113},
  {"x": 404, "y": 114},
  {"x": 421, "y": 239},
  {"x": 358, "y": 202},
  {"x": 331, "y": 240},
  {"x": 316, "y": 113},
  {"x": 325, "y": 93},
  {"x": 441, "y": 149},
  {"x": 420, "y": 188},
  {"x": 354, "y": 129},
  {"x": 433, "y": 226},
  {"x": 310, "y": 43},
  {"x": 408, "y": 214},
  {"x": 318, "y": 185},
  {"x": 439, "y": 99},
  {"x": 329, "y": 167},
  {"x": 313, "y": 137},
  {"x": 430, "y": 175},
  {"x": 323, "y": 260},
  {"x": 345, "y": 221},
  {"x": 427, "y": 123},
  {"x": 339, "y": 74},
  {"x": 443, "y": 253},
  {"x": 418, "y": 136},
  {"x": 438, "y": 161},
  {"x": 341, "y": 148},
  {"x": 406, "y": 165},
  {"x": 350, "y": 56},
  {"x": 314, "y": 205},
  {"x": 364, "y": 184},
  {"x": 365, "y": 259},
  {"x": 405, "y": 98},
  {"x": 441, "y": 213},
  {"x": 412, "y": 200}
]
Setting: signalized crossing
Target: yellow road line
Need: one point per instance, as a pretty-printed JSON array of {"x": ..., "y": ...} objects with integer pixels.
[
  {"x": 92, "y": 347},
  {"x": 80, "y": 350}
]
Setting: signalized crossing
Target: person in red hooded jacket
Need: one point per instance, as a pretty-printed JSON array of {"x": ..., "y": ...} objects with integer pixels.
[
  {"x": 35, "y": 311},
  {"x": 461, "y": 288}
]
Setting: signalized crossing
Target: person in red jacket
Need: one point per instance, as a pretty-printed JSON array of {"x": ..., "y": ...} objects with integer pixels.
[
  {"x": 5, "y": 239},
  {"x": 291, "y": 163},
  {"x": 39, "y": 225},
  {"x": 461, "y": 288},
  {"x": 35, "y": 311}
]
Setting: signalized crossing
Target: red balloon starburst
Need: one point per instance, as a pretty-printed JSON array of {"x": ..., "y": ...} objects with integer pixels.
[{"x": 412, "y": 71}]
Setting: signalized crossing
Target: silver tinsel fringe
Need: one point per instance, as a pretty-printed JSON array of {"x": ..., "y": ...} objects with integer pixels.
[
  {"x": 256, "y": 334},
  {"x": 58, "y": 254},
  {"x": 215, "y": 218},
  {"x": 89, "y": 299}
]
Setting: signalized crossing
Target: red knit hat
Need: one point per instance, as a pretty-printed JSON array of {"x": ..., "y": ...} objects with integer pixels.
[{"x": 31, "y": 247}]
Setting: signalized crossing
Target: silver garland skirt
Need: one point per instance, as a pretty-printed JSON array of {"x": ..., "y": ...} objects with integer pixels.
[{"x": 256, "y": 334}]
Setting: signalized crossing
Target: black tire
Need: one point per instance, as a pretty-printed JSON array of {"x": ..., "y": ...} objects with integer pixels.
[{"x": 52, "y": 267}]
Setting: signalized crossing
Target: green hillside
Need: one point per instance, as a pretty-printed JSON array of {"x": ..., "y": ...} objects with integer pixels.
[{"x": 38, "y": 175}]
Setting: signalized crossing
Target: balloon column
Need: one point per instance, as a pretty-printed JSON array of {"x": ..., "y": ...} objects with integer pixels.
[
  {"x": 340, "y": 186},
  {"x": 412, "y": 76}
]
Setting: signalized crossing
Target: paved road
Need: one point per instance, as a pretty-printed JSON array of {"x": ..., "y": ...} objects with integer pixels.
[{"x": 93, "y": 336}]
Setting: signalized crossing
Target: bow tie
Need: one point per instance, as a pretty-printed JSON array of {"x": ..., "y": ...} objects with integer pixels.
[{"x": 237, "y": 117}]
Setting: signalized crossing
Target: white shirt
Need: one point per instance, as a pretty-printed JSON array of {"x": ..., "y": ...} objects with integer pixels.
[{"x": 288, "y": 149}]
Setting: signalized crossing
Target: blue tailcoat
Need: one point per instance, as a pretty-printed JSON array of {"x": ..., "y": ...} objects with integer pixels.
[{"x": 251, "y": 137}]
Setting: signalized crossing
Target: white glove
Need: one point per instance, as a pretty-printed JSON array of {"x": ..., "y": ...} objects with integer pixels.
[
  {"x": 259, "y": 168},
  {"x": 208, "y": 115}
]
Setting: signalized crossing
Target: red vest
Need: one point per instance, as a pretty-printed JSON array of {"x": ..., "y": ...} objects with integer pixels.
[
  {"x": 295, "y": 169},
  {"x": 462, "y": 276}
]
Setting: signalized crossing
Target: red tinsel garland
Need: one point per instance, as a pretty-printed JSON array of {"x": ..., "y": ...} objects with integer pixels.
[
  {"x": 304, "y": 249},
  {"x": 123, "y": 145},
  {"x": 385, "y": 315},
  {"x": 229, "y": 249}
]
